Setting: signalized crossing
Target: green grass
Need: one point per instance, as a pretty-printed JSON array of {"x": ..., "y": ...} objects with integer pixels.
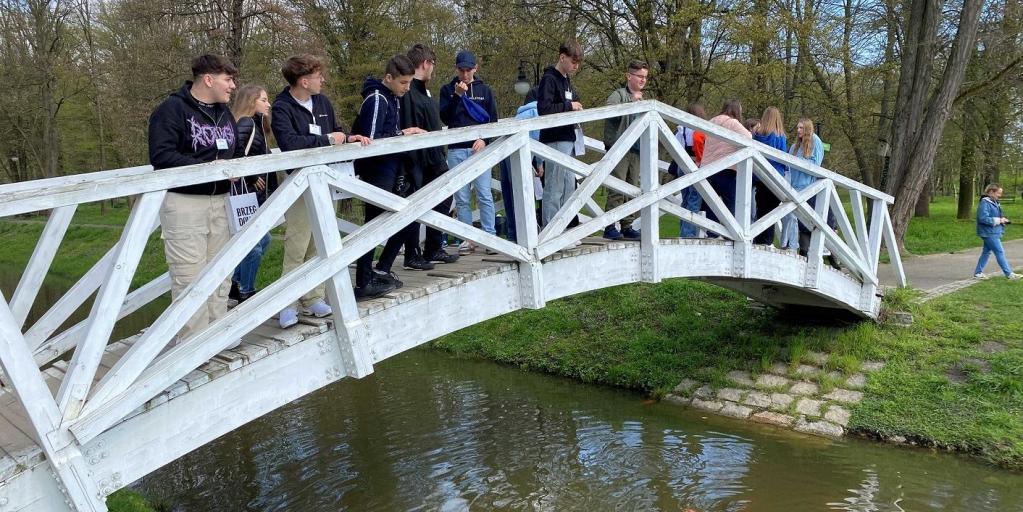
[
  {"x": 650, "y": 337},
  {"x": 942, "y": 232},
  {"x": 129, "y": 501}
]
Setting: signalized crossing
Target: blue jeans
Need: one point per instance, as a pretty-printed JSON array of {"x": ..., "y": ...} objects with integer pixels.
[
  {"x": 993, "y": 244},
  {"x": 245, "y": 273},
  {"x": 558, "y": 184},
  {"x": 790, "y": 232},
  {"x": 484, "y": 196},
  {"x": 692, "y": 201}
]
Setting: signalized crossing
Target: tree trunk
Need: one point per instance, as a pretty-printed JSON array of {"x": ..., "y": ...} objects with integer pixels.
[
  {"x": 917, "y": 131},
  {"x": 923, "y": 203},
  {"x": 967, "y": 168}
]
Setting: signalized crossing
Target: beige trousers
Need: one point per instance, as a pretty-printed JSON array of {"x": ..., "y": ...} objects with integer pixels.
[
  {"x": 194, "y": 229},
  {"x": 299, "y": 246}
]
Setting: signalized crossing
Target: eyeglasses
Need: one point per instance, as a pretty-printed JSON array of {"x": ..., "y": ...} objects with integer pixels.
[{"x": 641, "y": 77}]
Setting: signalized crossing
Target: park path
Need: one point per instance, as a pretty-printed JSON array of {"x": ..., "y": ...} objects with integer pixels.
[{"x": 938, "y": 274}]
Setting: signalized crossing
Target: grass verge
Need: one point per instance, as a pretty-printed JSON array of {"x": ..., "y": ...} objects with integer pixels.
[{"x": 650, "y": 337}]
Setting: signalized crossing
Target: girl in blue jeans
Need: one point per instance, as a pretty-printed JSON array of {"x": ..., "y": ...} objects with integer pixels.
[{"x": 990, "y": 226}]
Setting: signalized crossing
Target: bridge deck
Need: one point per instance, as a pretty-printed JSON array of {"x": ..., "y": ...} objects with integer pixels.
[{"x": 18, "y": 450}]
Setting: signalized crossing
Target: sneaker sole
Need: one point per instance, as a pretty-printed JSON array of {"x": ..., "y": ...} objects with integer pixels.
[
  {"x": 407, "y": 267},
  {"x": 286, "y": 325}
]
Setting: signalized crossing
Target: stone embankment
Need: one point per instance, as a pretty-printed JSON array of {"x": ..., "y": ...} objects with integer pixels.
[{"x": 806, "y": 398}]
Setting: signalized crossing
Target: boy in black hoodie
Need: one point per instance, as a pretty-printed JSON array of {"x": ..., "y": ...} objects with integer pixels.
[
  {"x": 302, "y": 118},
  {"x": 556, "y": 95},
  {"x": 466, "y": 85},
  {"x": 194, "y": 126},
  {"x": 379, "y": 118},
  {"x": 420, "y": 110}
]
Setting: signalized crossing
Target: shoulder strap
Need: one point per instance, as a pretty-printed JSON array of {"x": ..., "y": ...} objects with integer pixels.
[{"x": 252, "y": 136}]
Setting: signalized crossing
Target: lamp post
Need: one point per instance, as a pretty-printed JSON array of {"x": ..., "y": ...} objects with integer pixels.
[
  {"x": 14, "y": 167},
  {"x": 522, "y": 86}
]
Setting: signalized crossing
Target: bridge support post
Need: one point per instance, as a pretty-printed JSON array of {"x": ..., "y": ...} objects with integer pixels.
[
  {"x": 815, "y": 255},
  {"x": 531, "y": 293},
  {"x": 649, "y": 180},
  {"x": 741, "y": 245},
  {"x": 356, "y": 359},
  {"x": 66, "y": 462}
]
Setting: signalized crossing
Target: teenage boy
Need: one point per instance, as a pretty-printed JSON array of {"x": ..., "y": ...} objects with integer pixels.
[
  {"x": 193, "y": 126},
  {"x": 419, "y": 110},
  {"x": 453, "y": 111},
  {"x": 302, "y": 118},
  {"x": 378, "y": 119},
  {"x": 556, "y": 95},
  {"x": 628, "y": 168}
]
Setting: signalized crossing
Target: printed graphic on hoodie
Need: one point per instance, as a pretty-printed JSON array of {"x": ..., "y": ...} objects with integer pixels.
[{"x": 205, "y": 135}]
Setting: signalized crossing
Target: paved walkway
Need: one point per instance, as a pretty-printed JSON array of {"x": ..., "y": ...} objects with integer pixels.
[{"x": 940, "y": 272}]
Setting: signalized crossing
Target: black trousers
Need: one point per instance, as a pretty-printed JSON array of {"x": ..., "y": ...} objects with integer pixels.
[
  {"x": 766, "y": 201},
  {"x": 364, "y": 265}
]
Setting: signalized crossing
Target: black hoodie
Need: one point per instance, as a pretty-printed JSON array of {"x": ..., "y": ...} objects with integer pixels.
[
  {"x": 419, "y": 110},
  {"x": 453, "y": 112},
  {"x": 183, "y": 131},
  {"x": 378, "y": 119},
  {"x": 552, "y": 98},
  {"x": 291, "y": 122}
]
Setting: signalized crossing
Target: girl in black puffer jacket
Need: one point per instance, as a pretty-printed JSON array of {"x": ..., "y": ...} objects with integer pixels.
[{"x": 252, "y": 113}]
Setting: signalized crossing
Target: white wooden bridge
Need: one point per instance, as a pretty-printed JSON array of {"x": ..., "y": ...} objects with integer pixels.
[{"x": 82, "y": 415}]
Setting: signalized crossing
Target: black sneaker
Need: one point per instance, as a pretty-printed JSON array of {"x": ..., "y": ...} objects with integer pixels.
[
  {"x": 234, "y": 293},
  {"x": 441, "y": 256},
  {"x": 416, "y": 262},
  {"x": 374, "y": 288},
  {"x": 630, "y": 234},
  {"x": 387, "y": 277}
]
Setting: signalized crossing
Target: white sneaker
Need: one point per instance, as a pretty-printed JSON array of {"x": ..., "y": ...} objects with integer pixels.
[
  {"x": 1014, "y": 276},
  {"x": 319, "y": 309},
  {"x": 465, "y": 247},
  {"x": 980, "y": 276},
  {"x": 287, "y": 317},
  {"x": 235, "y": 344}
]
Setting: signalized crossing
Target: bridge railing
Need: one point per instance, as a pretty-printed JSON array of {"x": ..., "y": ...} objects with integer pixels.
[{"x": 81, "y": 409}]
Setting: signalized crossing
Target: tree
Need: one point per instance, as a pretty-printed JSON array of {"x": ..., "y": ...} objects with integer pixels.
[{"x": 920, "y": 114}]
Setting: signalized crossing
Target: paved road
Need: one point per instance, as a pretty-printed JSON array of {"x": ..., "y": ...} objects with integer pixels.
[{"x": 935, "y": 270}]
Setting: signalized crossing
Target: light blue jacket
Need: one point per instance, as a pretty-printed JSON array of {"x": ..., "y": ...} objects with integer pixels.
[
  {"x": 800, "y": 179},
  {"x": 528, "y": 111},
  {"x": 987, "y": 212}
]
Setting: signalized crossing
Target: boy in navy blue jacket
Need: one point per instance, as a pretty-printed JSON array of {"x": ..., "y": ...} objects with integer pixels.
[
  {"x": 302, "y": 118},
  {"x": 379, "y": 118},
  {"x": 466, "y": 85}
]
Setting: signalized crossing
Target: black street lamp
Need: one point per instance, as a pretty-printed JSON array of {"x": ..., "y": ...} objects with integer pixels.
[{"x": 522, "y": 86}]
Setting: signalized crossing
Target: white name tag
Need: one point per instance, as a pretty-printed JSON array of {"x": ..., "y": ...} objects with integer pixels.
[
  {"x": 568, "y": 95},
  {"x": 580, "y": 142},
  {"x": 221, "y": 143},
  {"x": 314, "y": 129}
]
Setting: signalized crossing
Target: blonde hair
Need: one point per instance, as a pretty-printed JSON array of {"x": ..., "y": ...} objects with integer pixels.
[
  {"x": 771, "y": 122},
  {"x": 245, "y": 101},
  {"x": 804, "y": 145},
  {"x": 994, "y": 187}
]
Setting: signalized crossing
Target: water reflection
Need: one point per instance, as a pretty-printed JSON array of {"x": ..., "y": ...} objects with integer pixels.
[{"x": 427, "y": 432}]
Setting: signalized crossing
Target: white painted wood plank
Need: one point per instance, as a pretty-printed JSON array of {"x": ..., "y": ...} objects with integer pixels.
[
  {"x": 649, "y": 180},
  {"x": 195, "y": 295},
  {"x": 111, "y": 296},
  {"x": 39, "y": 263}
]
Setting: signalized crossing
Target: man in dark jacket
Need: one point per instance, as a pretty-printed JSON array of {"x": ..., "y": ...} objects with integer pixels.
[
  {"x": 465, "y": 85},
  {"x": 302, "y": 118},
  {"x": 194, "y": 126},
  {"x": 378, "y": 119},
  {"x": 556, "y": 95},
  {"x": 419, "y": 110}
]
